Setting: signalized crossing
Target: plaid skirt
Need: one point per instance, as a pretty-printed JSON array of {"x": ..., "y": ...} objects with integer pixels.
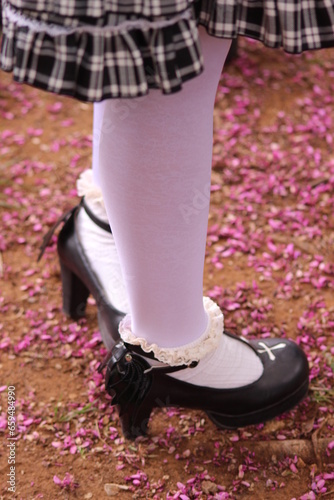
[{"x": 98, "y": 49}]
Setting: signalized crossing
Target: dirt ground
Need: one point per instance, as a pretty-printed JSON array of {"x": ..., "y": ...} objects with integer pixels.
[{"x": 269, "y": 265}]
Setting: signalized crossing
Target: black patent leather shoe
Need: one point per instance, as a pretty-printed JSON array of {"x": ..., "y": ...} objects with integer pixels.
[
  {"x": 136, "y": 387},
  {"x": 78, "y": 278}
]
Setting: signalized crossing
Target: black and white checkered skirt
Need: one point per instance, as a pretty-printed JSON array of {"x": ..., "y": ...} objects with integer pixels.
[{"x": 99, "y": 49}]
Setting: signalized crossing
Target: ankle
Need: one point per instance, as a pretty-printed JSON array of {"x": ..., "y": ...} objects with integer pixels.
[
  {"x": 214, "y": 360},
  {"x": 184, "y": 354}
]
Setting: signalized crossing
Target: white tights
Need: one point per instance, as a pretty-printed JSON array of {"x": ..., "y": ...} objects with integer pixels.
[{"x": 154, "y": 170}]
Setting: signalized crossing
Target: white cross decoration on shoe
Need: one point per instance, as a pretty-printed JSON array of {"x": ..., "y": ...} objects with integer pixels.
[{"x": 269, "y": 350}]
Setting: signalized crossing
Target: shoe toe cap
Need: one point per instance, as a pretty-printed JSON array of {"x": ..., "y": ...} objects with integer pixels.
[{"x": 283, "y": 384}]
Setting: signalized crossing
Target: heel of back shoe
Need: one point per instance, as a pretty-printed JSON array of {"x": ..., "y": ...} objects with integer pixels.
[{"x": 75, "y": 293}]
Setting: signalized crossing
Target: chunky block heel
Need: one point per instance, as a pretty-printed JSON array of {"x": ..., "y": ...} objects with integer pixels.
[
  {"x": 135, "y": 421},
  {"x": 75, "y": 293},
  {"x": 129, "y": 382}
]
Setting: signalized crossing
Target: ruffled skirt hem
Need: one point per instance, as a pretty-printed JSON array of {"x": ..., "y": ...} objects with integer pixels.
[{"x": 124, "y": 54}]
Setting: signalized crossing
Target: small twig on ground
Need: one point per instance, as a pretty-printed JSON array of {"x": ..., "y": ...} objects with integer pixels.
[{"x": 315, "y": 442}]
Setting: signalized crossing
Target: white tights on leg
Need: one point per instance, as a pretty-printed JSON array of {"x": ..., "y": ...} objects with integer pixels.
[
  {"x": 155, "y": 169},
  {"x": 98, "y": 244}
]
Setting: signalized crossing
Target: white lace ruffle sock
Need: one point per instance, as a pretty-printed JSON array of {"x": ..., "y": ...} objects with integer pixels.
[
  {"x": 222, "y": 359},
  {"x": 155, "y": 172}
]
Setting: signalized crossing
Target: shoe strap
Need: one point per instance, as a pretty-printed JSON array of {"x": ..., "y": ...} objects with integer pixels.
[
  {"x": 49, "y": 234},
  {"x": 65, "y": 217},
  {"x": 92, "y": 216},
  {"x": 123, "y": 350}
]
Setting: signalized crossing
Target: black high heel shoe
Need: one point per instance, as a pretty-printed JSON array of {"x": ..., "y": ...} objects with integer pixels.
[
  {"x": 79, "y": 279},
  {"x": 137, "y": 387}
]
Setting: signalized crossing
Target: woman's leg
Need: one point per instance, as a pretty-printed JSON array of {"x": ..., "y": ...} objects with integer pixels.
[
  {"x": 97, "y": 131},
  {"x": 155, "y": 170},
  {"x": 98, "y": 244}
]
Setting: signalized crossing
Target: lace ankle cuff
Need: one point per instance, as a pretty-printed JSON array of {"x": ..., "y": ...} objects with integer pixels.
[
  {"x": 92, "y": 193},
  {"x": 184, "y": 354}
]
